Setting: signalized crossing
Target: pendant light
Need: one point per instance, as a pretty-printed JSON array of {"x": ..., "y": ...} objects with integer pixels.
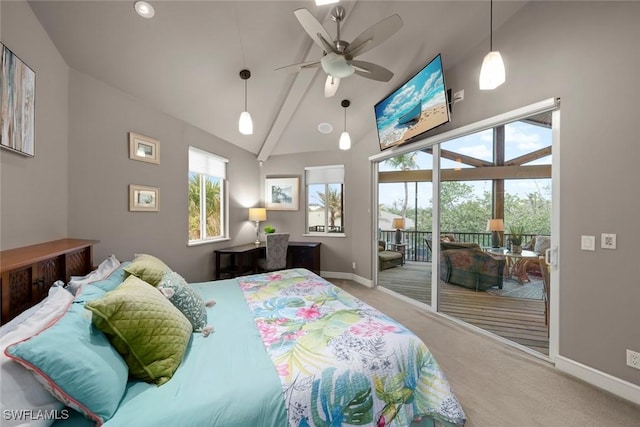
[
  {"x": 345, "y": 139},
  {"x": 492, "y": 73},
  {"x": 245, "y": 124}
]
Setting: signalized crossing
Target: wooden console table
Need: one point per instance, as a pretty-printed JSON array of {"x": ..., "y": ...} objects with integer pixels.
[
  {"x": 243, "y": 259},
  {"x": 27, "y": 273}
]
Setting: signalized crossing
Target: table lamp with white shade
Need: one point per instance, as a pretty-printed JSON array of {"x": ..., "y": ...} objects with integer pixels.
[
  {"x": 495, "y": 226},
  {"x": 398, "y": 224},
  {"x": 256, "y": 215}
]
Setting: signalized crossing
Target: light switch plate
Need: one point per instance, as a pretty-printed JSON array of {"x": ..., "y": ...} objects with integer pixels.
[
  {"x": 588, "y": 243},
  {"x": 608, "y": 241}
]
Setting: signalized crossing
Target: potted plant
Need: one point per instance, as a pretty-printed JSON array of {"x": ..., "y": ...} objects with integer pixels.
[
  {"x": 516, "y": 232},
  {"x": 269, "y": 229}
]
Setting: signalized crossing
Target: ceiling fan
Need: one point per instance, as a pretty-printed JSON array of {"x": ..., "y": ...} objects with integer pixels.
[{"x": 337, "y": 60}]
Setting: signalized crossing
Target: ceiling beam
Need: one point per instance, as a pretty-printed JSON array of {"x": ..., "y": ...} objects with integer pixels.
[
  {"x": 469, "y": 174},
  {"x": 296, "y": 92}
]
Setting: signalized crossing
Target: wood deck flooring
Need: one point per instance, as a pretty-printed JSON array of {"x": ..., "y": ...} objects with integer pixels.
[{"x": 520, "y": 320}]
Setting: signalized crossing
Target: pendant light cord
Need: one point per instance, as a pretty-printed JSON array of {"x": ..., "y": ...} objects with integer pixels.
[
  {"x": 345, "y": 119},
  {"x": 491, "y": 28}
]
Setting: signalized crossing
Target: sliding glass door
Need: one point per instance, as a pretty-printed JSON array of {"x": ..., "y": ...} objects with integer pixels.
[{"x": 493, "y": 224}]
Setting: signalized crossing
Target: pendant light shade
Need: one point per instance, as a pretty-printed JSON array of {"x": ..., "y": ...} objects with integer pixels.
[
  {"x": 492, "y": 73},
  {"x": 345, "y": 139},
  {"x": 245, "y": 124}
]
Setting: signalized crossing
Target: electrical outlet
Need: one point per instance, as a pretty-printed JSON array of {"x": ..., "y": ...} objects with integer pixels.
[
  {"x": 354, "y": 265},
  {"x": 633, "y": 359},
  {"x": 608, "y": 241}
]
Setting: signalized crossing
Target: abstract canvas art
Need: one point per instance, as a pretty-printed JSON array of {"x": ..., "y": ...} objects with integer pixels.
[{"x": 17, "y": 102}]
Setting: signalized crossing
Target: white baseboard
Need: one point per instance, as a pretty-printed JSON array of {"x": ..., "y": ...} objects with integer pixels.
[
  {"x": 347, "y": 276},
  {"x": 600, "y": 379}
]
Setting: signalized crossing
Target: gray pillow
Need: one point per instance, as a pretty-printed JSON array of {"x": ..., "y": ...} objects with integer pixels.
[{"x": 186, "y": 299}]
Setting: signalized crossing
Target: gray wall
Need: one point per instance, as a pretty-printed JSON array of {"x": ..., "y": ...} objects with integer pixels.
[
  {"x": 336, "y": 255},
  {"x": 586, "y": 53},
  {"x": 100, "y": 172},
  {"x": 34, "y": 191}
]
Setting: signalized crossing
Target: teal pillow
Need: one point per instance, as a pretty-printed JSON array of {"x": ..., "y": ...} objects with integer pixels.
[
  {"x": 113, "y": 280},
  {"x": 144, "y": 327},
  {"x": 75, "y": 362},
  {"x": 184, "y": 298}
]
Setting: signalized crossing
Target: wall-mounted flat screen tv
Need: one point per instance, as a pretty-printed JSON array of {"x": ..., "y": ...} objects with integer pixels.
[{"x": 414, "y": 108}]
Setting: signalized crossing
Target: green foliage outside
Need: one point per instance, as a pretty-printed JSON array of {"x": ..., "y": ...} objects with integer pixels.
[
  {"x": 332, "y": 200},
  {"x": 463, "y": 211},
  {"x": 212, "y": 206}
]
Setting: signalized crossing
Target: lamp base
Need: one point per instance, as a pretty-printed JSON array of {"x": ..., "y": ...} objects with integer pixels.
[
  {"x": 257, "y": 242},
  {"x": 398, "y": 236},
  {"x": 495, "y": 239}
]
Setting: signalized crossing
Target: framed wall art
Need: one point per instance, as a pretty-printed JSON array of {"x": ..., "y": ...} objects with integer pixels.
[
  {"x": 17, "y": 103},
  {"x": 144, "y": 199},
  {"x": 282, "y": 194},
  {"x": 144, "y": 148}
]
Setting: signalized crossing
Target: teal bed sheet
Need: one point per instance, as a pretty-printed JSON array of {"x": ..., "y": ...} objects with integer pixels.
[{"x": 225, "y": 380}]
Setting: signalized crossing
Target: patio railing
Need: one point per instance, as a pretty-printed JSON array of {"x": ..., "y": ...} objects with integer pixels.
[{"x": 416, "y": 247}]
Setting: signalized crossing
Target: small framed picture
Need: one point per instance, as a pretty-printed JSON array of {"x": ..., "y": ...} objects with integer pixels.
[
  {"x": 145, "y": 199},
  {"x": 281, "y": 194},
  {"x": 144, "y": 148}
]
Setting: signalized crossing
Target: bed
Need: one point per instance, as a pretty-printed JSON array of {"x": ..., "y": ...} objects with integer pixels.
[{"x": 288, "y": 348}]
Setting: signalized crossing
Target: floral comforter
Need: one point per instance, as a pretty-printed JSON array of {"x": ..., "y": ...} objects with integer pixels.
[{"x": 340, "y": 361}]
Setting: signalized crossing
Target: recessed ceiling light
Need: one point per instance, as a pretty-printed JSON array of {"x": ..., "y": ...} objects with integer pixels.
[
  {"x": 144, "y": 9},
  {"x": 325, "y": 128}
]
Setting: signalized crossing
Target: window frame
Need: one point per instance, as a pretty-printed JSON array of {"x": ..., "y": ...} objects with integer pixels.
[
  {"x": 325, "y": 175},
  {"x": 221, "y": 163}
]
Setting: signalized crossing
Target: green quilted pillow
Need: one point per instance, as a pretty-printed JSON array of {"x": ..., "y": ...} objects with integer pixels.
[
  {"x": 144, "y": 327},
  {"x": 148, "y": 268},
  {"x": 186, "y": 299}
]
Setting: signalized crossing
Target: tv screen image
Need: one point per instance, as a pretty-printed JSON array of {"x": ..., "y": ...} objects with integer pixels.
[{"x": 416, "y": 107}]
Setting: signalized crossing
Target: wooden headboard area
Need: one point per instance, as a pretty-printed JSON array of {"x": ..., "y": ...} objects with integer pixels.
[{"x": 27, "y": 273}]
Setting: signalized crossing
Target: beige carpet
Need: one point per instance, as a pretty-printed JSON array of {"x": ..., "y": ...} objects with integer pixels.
[{"x": 498, "y": 385}]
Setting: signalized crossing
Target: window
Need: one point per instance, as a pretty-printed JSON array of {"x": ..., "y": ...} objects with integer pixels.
[
  {"x": 325, "y": 204},
  {"x": 207, "y": 196}
]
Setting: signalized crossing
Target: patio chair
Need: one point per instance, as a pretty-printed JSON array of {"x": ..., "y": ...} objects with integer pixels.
[
  {"x": 387, "y": 258},
  {"x": 546, "y": 291}
]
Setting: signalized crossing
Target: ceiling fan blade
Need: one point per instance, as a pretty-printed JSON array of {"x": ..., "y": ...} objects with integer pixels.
[
  {"x": 300, "y": 66},
  {"x": 314, "y": 28},
  {"x": 373, "y": 36},
  {"x": 371, "y": 71},
  {"x": 331, "y": 86}
]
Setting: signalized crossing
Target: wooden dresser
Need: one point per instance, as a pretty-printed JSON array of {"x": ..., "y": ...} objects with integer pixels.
[{"x": 27, "y": 273}]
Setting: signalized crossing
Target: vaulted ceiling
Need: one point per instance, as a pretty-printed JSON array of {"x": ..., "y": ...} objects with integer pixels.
[{"x": 186, "y": 60}]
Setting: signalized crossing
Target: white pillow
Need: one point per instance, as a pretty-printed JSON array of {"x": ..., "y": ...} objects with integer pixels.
[
  {"x": 105, "y": 268},
  {"x": 20, "y": 390}
]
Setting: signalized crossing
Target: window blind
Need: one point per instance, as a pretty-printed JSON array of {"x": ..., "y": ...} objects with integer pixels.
[
  {"x": 324, "y": 174},
  {"x": 205, "y": 163}
]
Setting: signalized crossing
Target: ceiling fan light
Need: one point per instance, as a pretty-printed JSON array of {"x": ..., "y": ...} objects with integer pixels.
[
  {"x": 345, "y": 141},
  {"x": 336, "y": 65},
  {"x": 245, "y": 124},
  {"x": 331, "y": 86},
  {"x": 492, "y": 73}
]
